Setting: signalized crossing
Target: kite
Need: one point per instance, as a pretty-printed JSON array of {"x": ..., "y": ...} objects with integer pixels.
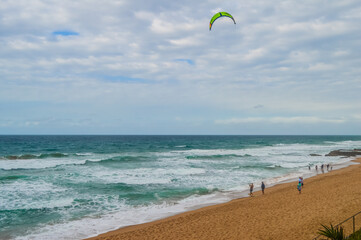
[{"x": 219, "y": 15}]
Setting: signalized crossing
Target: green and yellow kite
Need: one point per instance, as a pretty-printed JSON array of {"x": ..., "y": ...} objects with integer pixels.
[{"x": 219, "y": 15}]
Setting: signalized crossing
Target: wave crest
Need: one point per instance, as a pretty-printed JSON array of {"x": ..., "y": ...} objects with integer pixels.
[{"x": 33, "y": 156}]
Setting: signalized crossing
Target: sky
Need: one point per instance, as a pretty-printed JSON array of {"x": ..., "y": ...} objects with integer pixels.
[{"x": 153, "y": 67}]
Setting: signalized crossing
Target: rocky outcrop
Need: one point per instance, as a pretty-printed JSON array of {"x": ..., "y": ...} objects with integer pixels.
[
  {"x": 344, "y": 153},
  {"x": 315, "y": 155}
]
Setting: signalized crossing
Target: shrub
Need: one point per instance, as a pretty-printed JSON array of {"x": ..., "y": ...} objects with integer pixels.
[{"x": 333, "y": 233}]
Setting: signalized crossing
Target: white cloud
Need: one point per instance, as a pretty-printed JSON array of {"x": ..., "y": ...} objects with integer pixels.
[
  {"x": 283, "y": 120},
  {"x": 321, "y": 67},
  {"x": 341, "y": 53},
  {"x": 316, "y": 28},
  {"x": 254, "y": 54},
  {"x": 184, "y": 42},
  {"x": 295, "y": 58}
]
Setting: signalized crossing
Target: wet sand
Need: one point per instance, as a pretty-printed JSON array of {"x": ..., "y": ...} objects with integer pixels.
[{"x": 282, "y": 213}]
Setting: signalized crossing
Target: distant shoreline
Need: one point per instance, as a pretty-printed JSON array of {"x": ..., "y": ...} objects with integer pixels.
[{"x": 182, "y": 135}]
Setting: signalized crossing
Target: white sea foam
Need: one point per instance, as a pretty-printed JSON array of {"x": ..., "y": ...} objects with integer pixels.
[
  {"x": 140, "y": 176},
  {"x": 31, "y": 195},
  {"x": 125, "y": 216},
  {"x": 230, "y": 174},
  {"x": 37, "y": 163},
  {"x": 51, "y": 162},
  {"x": 84, "y": 154}
]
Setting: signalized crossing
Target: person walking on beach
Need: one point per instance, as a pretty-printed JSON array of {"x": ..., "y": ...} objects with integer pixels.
[
  {"x": 302, "y": 181},
  {"x": 263, "y": 186},
  {"x": 251, "y": 189}
]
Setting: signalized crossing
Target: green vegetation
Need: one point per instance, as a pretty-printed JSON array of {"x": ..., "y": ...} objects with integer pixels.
[
  {"x": 333, "y": 233},
  {"x": 355, "y": 236},
  {"x": 337, "y": 233}
]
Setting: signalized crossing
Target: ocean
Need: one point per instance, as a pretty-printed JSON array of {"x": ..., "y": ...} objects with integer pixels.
[{"x": 73, "y": 187}]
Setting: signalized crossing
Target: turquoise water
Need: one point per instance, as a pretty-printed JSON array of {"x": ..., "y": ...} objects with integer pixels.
[{"x": 72, "y": 187}]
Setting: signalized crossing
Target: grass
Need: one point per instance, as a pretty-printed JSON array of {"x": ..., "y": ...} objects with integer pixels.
[{"x": 355, "y": 236}]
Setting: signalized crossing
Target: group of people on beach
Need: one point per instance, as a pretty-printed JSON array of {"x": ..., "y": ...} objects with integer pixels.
[
  {"x": 300, "y": 179},
  {"x": 251, "y": 186},
  {"x": 322, "y": 167}
]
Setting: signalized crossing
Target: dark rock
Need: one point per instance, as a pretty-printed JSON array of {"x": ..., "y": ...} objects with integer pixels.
[
  {"x": 345, "y": 153},
  {"x": 315, "y": 155}
]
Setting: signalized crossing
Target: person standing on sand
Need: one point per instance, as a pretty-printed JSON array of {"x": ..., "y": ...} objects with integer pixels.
[
  {"x": 251, "y": 189},
  {"x": 299, "y": 187},
  {"x": 263, "y": 186}
]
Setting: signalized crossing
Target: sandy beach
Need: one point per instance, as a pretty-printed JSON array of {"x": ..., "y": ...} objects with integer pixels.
[{"x": 281, "y": 213}]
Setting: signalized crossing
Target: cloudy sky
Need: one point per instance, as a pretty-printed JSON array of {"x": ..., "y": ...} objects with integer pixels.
[{"x": 153, "y": 67}]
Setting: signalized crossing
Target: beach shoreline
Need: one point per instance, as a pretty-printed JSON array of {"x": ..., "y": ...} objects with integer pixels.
[{"x": 281, "y": 213}]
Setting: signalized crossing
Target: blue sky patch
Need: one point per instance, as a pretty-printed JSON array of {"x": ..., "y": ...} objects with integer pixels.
[
  {"x": 124, "y": 79},
  {"x": 65, "y": 33},
  {"x": 189, "y": 61}
]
